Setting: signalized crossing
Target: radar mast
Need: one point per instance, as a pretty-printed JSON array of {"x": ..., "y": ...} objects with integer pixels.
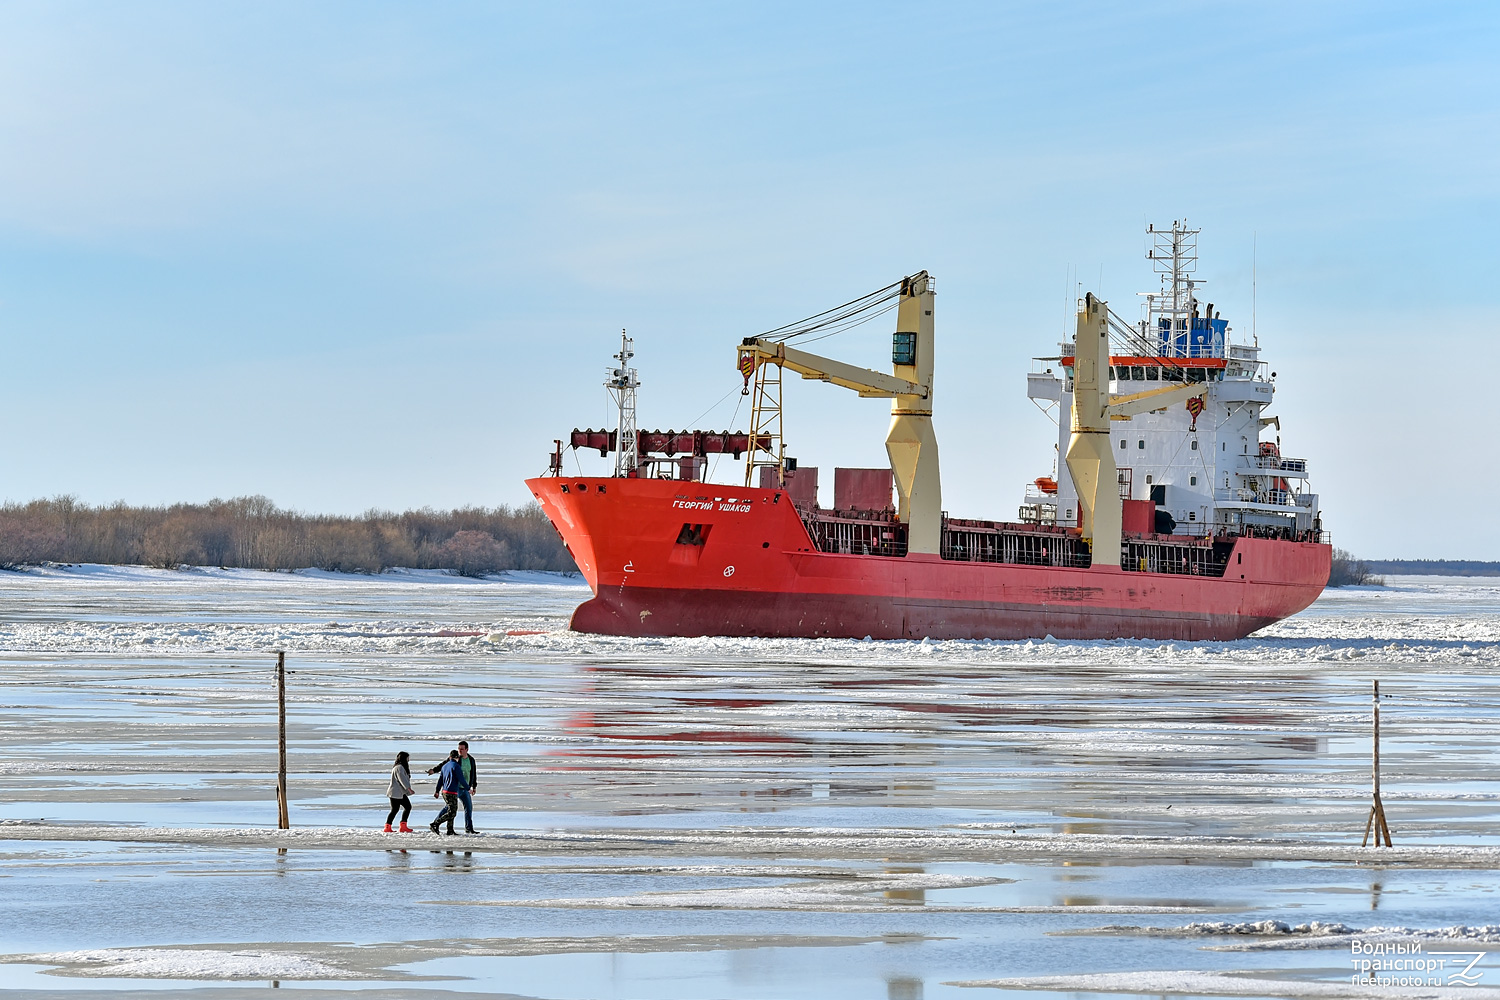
[
  {"x": 622, "y": 382},
  {"x": 1174, "y": 255}
]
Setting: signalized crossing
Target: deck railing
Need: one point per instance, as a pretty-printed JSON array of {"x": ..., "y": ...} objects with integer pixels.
[
  {"x": 1272, "y": 463},
  {"x": 1174, "y": 557},
  {"x": 857, "y": 533}
]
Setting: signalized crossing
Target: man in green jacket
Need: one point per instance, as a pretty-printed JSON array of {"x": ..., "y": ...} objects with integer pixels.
[{"x": 470, "y": 771}]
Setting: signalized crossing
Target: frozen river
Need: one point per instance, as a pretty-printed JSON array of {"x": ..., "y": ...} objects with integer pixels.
[{"x": 729, "y": 818}]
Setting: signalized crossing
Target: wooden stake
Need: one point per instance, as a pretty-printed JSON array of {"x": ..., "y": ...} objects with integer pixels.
[
  {"x": 283, "y": 820},
  {"x": 1376, "y": 820}
]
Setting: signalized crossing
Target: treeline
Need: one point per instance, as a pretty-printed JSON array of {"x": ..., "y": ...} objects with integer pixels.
[
  {"x": 1348, "y": 571},
  {"x": 253, "y": 533},
  {"x": 1435, "y": 567}
]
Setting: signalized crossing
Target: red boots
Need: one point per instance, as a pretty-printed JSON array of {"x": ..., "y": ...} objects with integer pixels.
[
  {"x": 388, "y": 828},
  {"x": 404, "y": 827}
]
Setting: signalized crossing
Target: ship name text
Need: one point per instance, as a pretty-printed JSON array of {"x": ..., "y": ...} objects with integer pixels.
[{"x": 731, "y": 506}]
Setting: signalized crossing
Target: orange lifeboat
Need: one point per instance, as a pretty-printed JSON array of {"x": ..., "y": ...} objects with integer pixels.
[
  {"x": 1269, "y": 449},
  {"x": 1046, "y": 484}
]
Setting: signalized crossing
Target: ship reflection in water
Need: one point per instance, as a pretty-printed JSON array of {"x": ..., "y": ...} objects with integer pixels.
[{"x": 1083, "y": 749}]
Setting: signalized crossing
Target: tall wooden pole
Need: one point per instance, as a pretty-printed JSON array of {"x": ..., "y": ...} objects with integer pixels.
[
  {"x": 1375, "y": 744},
  {"x": 283, "y": 820},
  {"x": 1376, "y": 820}
]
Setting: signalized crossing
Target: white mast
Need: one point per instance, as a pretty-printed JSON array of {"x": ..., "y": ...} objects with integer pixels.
[
  {"x": 622, "y": 383},
  {"x": 1174, "y": 255}
]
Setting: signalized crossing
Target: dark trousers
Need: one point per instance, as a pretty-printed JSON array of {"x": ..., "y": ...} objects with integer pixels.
[
  {"x": 404, "y": 805},
  {"x": 450, "y": 811}
]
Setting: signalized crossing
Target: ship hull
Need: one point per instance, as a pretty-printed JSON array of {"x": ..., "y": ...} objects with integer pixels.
[{"x": 750, "y": 569}]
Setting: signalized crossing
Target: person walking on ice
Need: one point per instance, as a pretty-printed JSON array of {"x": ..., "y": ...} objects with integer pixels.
[
  {"x": 471, "y": 782},
  {"x": 449, "y": 785},
  {"x": 400, "y": 792}
]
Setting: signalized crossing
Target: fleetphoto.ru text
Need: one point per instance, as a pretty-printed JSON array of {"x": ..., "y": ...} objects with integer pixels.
[{"x": 1406, "y": 963}]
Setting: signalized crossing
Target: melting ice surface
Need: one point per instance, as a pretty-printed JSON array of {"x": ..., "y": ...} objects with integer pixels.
[{"x": 719, "y": 817}]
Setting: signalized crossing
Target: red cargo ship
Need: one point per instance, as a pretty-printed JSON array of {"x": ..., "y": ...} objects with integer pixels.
[{"x": 1215, "y": 545}]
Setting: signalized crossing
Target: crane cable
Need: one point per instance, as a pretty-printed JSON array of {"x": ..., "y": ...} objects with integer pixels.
[{"x": 840, "y": 318}]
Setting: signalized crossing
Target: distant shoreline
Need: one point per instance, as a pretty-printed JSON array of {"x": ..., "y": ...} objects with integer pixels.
[
  {"x": 1433, "y": 567},
  {"x": 412, "y": 573},
  {"x": 253, "y": 533}
]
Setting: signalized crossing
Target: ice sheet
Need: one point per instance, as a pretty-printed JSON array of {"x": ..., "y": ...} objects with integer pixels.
[{"x": 737, "y": 818}]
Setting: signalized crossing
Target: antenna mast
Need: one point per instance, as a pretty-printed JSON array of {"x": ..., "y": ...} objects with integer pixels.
[
  {"x": 622, "y": 384},
  {"x": 1174, "y": 256}
]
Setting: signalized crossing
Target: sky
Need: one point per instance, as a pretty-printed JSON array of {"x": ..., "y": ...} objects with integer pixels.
[{"x": 358, "y": 256}]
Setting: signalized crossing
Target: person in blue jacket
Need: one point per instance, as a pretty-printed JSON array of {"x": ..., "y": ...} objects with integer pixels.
[
  {"x": 470, "y": 769},
  {"x": 450, "y": 783}
]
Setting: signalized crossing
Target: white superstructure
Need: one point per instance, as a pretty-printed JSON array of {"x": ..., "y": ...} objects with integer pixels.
[{"x": 1214, "y": 464}]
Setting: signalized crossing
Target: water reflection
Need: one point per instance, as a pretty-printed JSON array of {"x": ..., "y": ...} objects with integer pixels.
[
  {"x": 903, "y": 988},
  {"x": 914, "y": 897}
]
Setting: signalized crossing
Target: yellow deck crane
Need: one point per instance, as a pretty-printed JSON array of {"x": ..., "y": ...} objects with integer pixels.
[
  {"x": 1091, "y": 460},
  {"x": 910, "y": 443}
]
